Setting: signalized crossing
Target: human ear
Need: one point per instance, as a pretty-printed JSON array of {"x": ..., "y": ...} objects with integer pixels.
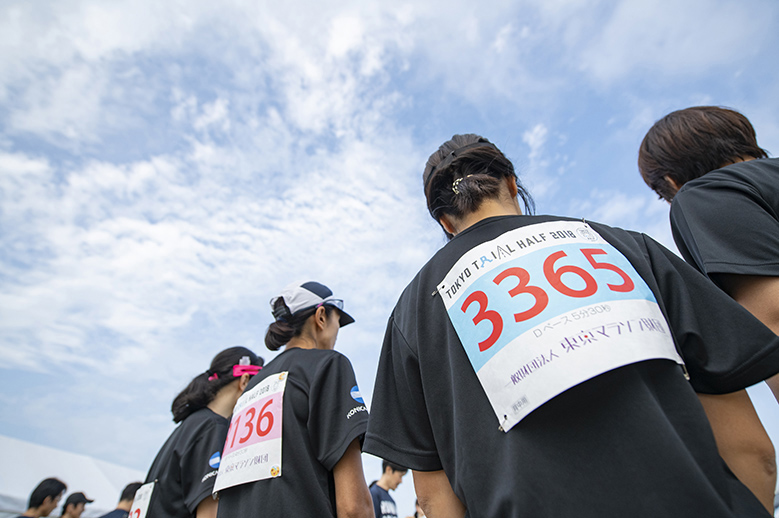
[
  {"x": 448, "y": 226},
  {"x": 511, "y": 183},
  {"x": 243, "y": 381},
  {"x": 321, "y": 317},
  {"x": 675, "y": 186}
]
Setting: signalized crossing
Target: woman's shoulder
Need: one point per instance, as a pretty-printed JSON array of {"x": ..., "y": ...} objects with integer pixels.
[
  {"x": 327, "y": 356},
  {"x": 306, "y": 361},
  {"x": 298, "y": 354},
  {"x": 202, "y": 419}
]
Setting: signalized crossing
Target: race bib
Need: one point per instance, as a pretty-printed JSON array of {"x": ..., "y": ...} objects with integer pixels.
[
  {"x": 543, "y": 308},
  {"x": 141, "y": 501},
  {"x": 253, "y": 447}
]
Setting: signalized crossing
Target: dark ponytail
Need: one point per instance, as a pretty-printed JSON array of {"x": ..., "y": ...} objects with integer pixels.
[
  {"x": 202, "y": 390},
  {"x": 286, "y": 327},
  {"x": 463, "y": 173}
]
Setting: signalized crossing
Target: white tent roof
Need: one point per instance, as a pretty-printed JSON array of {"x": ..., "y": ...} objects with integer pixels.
[{"x": 26, "y": 464}]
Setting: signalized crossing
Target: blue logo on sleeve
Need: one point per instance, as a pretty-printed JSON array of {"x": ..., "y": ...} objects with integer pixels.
[
  {"x": 355, "y": 393},
  {"x": 215, "y": 459}
]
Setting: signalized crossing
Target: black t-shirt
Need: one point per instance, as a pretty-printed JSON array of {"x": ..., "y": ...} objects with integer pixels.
[
  {"x": 185, "y": 468},
  {"x": 633, "y": 441},
  {"x": 116, "y": 513},
  {"x": 727, "y": 221},
  {"x": 323, "y": 413},
  {"x": 383, "y": 504}
]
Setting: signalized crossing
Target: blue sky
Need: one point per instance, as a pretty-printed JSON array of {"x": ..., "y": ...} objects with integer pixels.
[{"x": 166, "y": 167}]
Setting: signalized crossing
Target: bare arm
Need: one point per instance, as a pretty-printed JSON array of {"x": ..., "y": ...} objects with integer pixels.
[
  {"x": 743, "y": 442},
  {"x": 436, "y": 496},
  {"x": 352, "y": 498},
  {"x": 760, "y": 296},
  {"x": 206, "y": 508}
]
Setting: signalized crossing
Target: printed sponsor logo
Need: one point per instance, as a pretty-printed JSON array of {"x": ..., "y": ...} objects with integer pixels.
[
  {"x": 361, "y": 408},
  {"x": 586, "y": 234},
  {"x": 355, "y": 393},
  {"x": 215, "y": 459},
  {"x": 209, "y": 475}
]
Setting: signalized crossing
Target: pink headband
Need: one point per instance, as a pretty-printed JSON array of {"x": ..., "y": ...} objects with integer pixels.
[
  {"x": 239, "y": 370},
  {"x": 244, "y": 367}
]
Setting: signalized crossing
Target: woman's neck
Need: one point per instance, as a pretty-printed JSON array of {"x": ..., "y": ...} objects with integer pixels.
[
  {"x": 224, "y": 401},
  {"x": 302, "y": 342},
  {"x": 488, "y": 209}
]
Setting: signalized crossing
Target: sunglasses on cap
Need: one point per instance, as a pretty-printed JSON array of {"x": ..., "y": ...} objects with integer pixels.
[{"x": 337, "y": 303}]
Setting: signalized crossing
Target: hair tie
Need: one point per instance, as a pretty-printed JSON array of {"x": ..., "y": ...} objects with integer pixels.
[
  {"x": 213, "y": 377},
  {"x": 457, "y": 182}
]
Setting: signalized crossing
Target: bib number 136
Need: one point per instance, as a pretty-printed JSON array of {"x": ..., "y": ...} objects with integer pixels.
[
  {"x": 518, "y": 281},
  {"x": 259, "y": 422}
]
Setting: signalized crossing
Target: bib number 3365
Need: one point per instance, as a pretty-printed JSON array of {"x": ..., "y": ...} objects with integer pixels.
[{"x": 566, "y": 279}]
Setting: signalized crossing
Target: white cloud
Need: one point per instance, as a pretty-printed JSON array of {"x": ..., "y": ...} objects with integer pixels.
[
  {"x": 215, "y": 113},
  {"x": 535, "y": 138},
  {"x": 668, "y": 38},
  {"x": 68, "y": 104},
  {"x": 346, "y": 35},
  {"x": 502, "y": 38}
]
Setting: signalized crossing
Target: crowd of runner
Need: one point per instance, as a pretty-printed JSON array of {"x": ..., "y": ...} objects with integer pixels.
[
  {"x": 47, "y": 495},
  {"x": 536, "y": 366}
]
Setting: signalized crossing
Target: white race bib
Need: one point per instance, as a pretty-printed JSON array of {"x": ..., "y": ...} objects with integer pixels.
[
  {"x": 253, "y": 447},
  {"x": 141, "y": 501},
  {"x": 545, "y": 307}
]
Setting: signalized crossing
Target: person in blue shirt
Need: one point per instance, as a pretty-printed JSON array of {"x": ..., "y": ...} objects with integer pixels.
[
  {"x": 125, "y": 501},
  {"x": 391, "y": 477}
]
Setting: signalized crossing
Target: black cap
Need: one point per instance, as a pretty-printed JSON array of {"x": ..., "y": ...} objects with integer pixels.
[{"x": 77, "y": 498}]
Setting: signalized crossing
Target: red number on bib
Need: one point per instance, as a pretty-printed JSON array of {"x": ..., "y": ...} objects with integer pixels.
[
  {"x": 249, "y": 425},
  {"x": 235, "y": 430},
  {"x": 137, "y": 513},
  {"x": 542, "y": 299},
  {"x": 484, "y": 314},
  {"x": 262, "y": 432},
  {"x": 554, "y": 277},
  {"x": 622, "y": 288}
]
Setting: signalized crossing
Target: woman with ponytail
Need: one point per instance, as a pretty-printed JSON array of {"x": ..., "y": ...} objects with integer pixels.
[
  {"x": 548, "y": 366},
  {"x": 323, "y": 417},
  {"x": 184, "y": 471}
]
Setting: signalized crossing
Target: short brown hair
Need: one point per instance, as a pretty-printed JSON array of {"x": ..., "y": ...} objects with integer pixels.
[{"x": 689, "y": 143}]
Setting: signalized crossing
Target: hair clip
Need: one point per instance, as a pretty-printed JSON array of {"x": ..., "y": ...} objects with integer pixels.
[
  {"x": 239, "y": 370},
  {"x": 457, "y": 182}
]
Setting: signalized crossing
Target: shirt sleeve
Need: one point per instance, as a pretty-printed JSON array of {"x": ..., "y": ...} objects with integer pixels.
[
  {"x": 399, "y": 429},
  {"x": 337, "y": 412},
  {"x": 725, "y": 226},
  {"x": 197, "y": 473},
  {"x": 724, "y": 347}
]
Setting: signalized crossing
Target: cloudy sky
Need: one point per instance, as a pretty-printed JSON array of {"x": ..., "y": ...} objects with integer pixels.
[{"x": 167, "y": 166}]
